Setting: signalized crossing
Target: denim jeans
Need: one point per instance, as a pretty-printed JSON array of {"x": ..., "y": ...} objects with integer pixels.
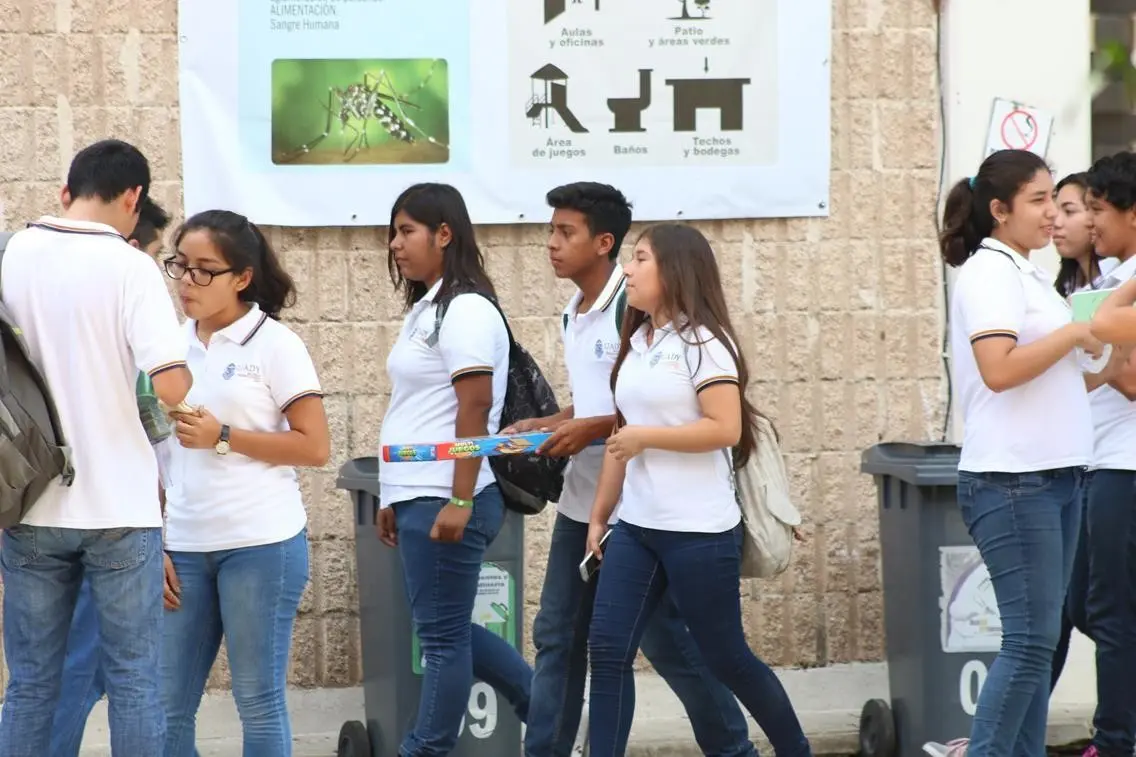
[
  {"x": 560, "y": 635},
  {"x": 1026, "y": 527},
  {"x": 249, "y": 596},
  {"x": 1073, "y": 612},
  {"x": 701, "y": 572},
  {"x": 82, "y": 678},
  {"x": 441, "y": 586},
  {"x": 42, "y": 570},
  {"x": 1110, "y": 607}
]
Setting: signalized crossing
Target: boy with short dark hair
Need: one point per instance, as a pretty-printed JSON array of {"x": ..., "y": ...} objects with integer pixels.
[
  {"x": 94, "y": 312},
  {"x": 82, "y": 674},
  {"x": 589, "y": 223}
]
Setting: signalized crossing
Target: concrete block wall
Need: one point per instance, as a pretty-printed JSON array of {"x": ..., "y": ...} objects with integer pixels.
[{"x": 841, "y": 317}]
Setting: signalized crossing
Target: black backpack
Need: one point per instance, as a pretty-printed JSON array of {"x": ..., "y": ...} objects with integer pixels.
[
  {"x": 33, "y": 452},
  {"x": 528, "y": 482}
]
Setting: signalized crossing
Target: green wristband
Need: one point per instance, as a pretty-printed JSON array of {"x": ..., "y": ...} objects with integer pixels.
[{"x": 459, "y": 502}]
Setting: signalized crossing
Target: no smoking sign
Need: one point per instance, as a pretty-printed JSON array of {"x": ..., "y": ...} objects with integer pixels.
[{"x": 1014, "y": 126}]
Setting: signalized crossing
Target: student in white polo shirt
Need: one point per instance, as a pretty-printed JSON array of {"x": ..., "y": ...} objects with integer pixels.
[
  {"x": 448, "y": 381},
  {"x": 1108, "y": 596},
  {"x": 94, "y": 311},
  {"x": 589, "y": 223},
  {"x": 236, "y": 529},
  {"x": 685, "y": 424},
  {"x": 1027, "y": 433}
]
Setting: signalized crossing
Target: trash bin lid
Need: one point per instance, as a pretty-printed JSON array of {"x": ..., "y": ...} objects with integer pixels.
[
  {"x": 915, "y": 463},
  {"x": 360, "y": 474}
]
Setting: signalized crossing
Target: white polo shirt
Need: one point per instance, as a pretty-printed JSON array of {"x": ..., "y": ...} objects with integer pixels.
[
  {"x": 248, "y": 377},
  {"x": 658, "y": 385},
  {"x": 591, "y": 343},
  {"x": 1043, "y": 424},
  {"x": 1113, "y": 414},
  {"x": 423, "y": 408},
  {"x": 94, "y": 311}
]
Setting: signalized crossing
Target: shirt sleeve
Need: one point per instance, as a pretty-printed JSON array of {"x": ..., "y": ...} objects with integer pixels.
[
  {"x": 472, "y": 338},
  {"x": 156, "y": 339},
  {"x": 291, "y": 373},
  {"x": 991, "y": 301},
  {"x": 710, "y": 363}
]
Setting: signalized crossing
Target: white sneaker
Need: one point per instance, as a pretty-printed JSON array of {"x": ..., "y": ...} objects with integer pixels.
[{"x": 953, "y": 748}]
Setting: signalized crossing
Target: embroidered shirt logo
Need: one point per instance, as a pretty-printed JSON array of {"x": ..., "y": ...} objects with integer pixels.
[{"x": 230, "y": 371}]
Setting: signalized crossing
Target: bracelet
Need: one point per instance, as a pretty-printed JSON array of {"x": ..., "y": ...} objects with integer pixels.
[{"x": 459, "y": 502}]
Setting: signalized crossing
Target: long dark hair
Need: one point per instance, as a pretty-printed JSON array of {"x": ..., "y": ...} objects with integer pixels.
[
  {"x": 1070, "y": 278},
  {"x": 245, "y": 248},
  {"x": 692, "y": 291},
  {"x": 966, "y": 216},
  {"x": 463, "y": 265}
]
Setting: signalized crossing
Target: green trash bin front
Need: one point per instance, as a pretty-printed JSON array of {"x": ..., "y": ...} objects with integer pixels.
[
  {"x": 940, "y": 614},
  {"x": 392, "y": 661}
]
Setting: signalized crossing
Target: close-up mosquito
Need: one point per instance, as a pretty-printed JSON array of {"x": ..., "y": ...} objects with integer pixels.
[{"x": 372, "y": 103}]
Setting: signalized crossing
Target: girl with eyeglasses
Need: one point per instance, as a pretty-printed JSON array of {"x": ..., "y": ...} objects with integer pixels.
[{"x": 236, "y": 528}]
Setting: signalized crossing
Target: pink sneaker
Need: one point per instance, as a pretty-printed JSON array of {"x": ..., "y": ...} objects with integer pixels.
[{"x": 953, "y": 748}]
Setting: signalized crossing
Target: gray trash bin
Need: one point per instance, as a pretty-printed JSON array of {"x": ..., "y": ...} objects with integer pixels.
[
  {"x": 392, "y": 664},
  {"x": 940, "y": 614}
]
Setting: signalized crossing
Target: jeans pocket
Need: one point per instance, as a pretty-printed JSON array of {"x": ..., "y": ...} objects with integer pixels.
[
  {"x": 1033, "y": 483},
  {"x": 488, "y": 513},
  {"x": 20, "y": 546},
  {"x": 121, "y": 548}
]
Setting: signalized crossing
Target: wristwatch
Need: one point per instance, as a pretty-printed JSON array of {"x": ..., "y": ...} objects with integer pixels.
[{"x": 222, "y": 447}]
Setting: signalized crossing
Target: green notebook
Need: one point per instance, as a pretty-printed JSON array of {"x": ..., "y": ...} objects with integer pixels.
[{"x": 1085, "y": 303}]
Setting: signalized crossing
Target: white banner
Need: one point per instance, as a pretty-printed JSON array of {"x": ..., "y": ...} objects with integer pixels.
[{"x": 319, "y": 112}]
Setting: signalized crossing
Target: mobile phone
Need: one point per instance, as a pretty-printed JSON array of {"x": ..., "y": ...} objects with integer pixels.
[{"x": 591, "y": 563}]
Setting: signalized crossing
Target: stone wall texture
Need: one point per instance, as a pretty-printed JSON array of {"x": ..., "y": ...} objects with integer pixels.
[{"x": 841, "y": 317}]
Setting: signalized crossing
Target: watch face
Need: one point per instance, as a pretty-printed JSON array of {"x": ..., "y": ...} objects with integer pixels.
[{"x": 222, "y": 448}]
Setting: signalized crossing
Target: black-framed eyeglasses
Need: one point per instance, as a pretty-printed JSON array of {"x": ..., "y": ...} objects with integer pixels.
[{"x": 202, "y": 277}]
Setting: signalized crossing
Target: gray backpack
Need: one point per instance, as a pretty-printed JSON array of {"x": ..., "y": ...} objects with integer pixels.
[{"x": 33, "y": 452}]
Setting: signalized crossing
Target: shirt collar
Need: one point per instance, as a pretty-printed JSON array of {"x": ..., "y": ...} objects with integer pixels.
[
  {"x": 607, "y": 296},
  {"x": 1118, "y": 275},
  {"x": 75, "y": 226},
  {"x": 240, "y": 331},
  {"x": 1021, "y": 261},
  {"x": 432, "y": 292}
]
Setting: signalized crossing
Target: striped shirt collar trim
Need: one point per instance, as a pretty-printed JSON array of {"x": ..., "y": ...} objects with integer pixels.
[{"x": 75, "y": 226}]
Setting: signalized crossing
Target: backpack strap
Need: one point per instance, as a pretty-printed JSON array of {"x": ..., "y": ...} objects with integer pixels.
[
  {"x": 620, "y": 306},
  {"x": 440, "y": 313},
  {"x": 5, "y": 237}
]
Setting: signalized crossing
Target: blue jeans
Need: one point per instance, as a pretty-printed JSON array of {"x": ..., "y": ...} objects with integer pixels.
[
  {"x": 560, "y": 635},
  {"x": 701, "y": 572},
  {"x": 42, "y": 570},
  {"x": 250, "y": 596},
  {"x": 1110, "y": 607},
  {"x": 1073, "y": 612},
  {"x": 1026, "y": 527},
  {"x": 441, "y": 585},
  {"x": 82, "y": 678}
]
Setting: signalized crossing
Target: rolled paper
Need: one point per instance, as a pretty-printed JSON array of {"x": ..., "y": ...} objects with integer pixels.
[{"x": 460, "y": 449}]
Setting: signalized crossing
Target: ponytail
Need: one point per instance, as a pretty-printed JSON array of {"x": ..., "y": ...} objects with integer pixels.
[
  {"x": 271, "y": 287},
  {"x": 966, "y": 215},
  {"x": 244, "y": 247}
]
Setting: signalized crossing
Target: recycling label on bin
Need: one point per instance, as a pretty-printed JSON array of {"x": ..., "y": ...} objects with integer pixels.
[
  {"x": 969, "y": 608},
  {"x": 492, "y": 610}
]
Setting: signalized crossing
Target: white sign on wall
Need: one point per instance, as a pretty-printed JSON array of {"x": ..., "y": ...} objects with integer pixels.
[
  {"x": 1014, "y": 126},
  {"x": 319, "y": 112}
]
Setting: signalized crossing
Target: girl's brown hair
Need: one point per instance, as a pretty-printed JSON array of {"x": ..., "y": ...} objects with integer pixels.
[{"x": 692, "y": 297}]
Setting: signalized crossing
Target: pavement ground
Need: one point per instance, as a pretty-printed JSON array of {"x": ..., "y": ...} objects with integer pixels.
[{"x": 828, "y": 701}]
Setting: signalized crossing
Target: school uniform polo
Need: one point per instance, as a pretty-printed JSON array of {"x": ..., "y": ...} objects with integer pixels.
[
  {"x": 423, "y": 365},
  {"x": 1113, "y": 414},
  {"x": 1043, "y": 424},
  {"x": 248, "y": 376},
  {"x": 94, "y": 311},
  {"x": 658, "y": 385},
  {"x": 591, "y": 343}
]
